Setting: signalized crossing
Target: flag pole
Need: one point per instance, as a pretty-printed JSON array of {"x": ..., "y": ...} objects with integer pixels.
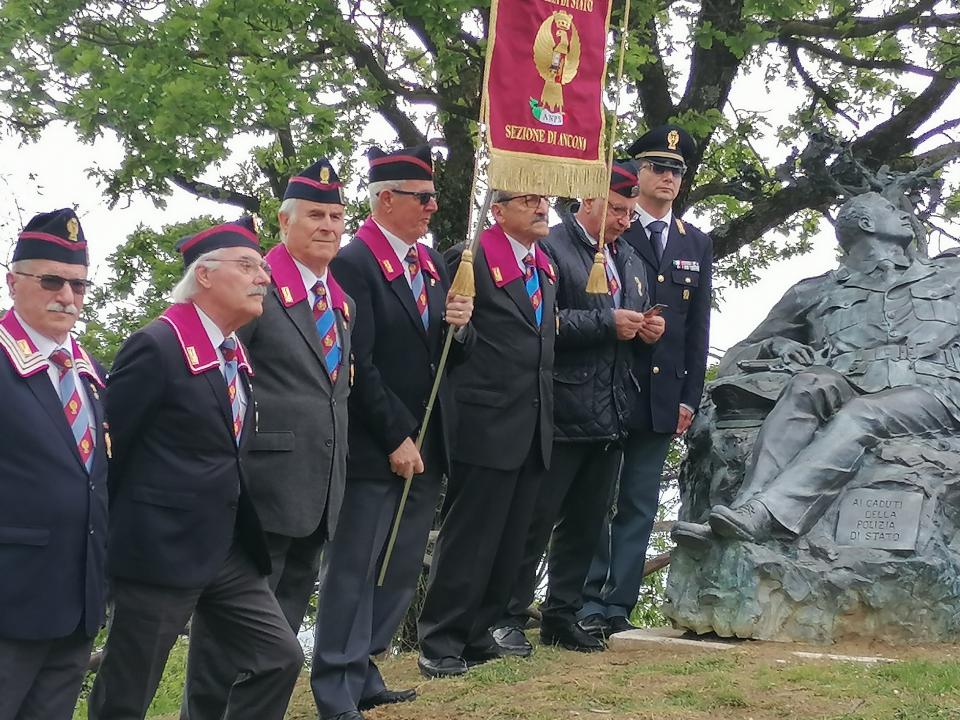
[{"x": 597, "y": 281}]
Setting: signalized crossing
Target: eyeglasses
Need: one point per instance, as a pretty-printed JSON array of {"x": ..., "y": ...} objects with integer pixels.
[
  {"x": 529, "y": 201},
  {"x": 54, "y": 283},
  {"x": 247, "y": 266},
  {"x": 664, "y": 169},
  {"x": 621, "y": 211},
  {"x": 424, "y": 197}
]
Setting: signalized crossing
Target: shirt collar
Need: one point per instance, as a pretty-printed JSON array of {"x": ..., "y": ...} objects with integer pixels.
[
  {"x": 45, "y": 346},
  {"x": 308, "y": 276},
  {"x": 646, "y": 218},
  {"x": 520, "y": 250},
  {"x": 400, "y": 247},
  {"x": 213, "y": 332}
]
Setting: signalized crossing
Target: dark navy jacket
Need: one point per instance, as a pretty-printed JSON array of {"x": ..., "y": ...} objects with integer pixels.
[
  {"x": 177, "y": 495},
  {"x": 53, "y": 513},
  {"x": 671, "y": 371}
]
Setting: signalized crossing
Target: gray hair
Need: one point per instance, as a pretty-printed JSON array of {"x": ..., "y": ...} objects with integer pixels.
[
  {"x": 20, "y": 266},
  {"x": 376, "y": 188},
  {"x": 289, "y": 208},
  {"x": 499, "y": 196},
  {"x": 187, "y": 288}
]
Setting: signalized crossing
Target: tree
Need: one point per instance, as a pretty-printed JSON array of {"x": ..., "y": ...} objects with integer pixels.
[{"x": 184, "y": 85}]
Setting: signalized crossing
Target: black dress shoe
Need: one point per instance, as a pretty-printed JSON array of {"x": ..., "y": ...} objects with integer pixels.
[
  {"x": 595, "y": 625},
  {"x": 348, "y": 715},
  {"x": 512, "y": 641},
  {"x": 751, "y": 521},
  {"x": 569, "y": 636},
  {"x": 619, "y": 624},
  {"x": 387, "y": 697},
  {"x": 441, "y": 667},
  {"x": 479, "y": 655},
  {"x": 692, "y": 536}
]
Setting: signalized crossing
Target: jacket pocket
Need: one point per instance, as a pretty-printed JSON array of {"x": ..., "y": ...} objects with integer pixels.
[
  {"x": 480, "y": 396},
  {"x": 273, "y": 441},
  {"x": 686, "y": 278},
  {"x": 574, "y": 376},
  {"x": 163, "y": 498},
  {"x": 24, "y": 536},
  {"x": 934, "y": 302}
]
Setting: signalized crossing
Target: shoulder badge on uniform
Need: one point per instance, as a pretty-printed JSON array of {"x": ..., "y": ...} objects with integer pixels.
[
  {"x": 686, "y": 293},
  {"x": 192, "y": 355},
  {"x": 24, "y": 347},
  {"x": 681, "y": 228},
  {"x": 639, "y": 285},
  {"x": 497, "y": 275},
  {"x": 387, "y": 266},
  {"x": 287, "y": 297}
]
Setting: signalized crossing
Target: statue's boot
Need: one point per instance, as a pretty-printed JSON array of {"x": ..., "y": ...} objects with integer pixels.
[
  {"x": 695, "y": 537},
  {"x": 751, "y": 521}
]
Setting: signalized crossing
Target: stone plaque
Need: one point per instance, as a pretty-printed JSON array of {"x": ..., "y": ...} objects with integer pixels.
[{"x": 888, "y": 519}]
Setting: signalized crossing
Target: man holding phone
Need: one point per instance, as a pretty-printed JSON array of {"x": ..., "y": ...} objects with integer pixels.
[
  {"x": 678, "y": 260},
  {"x": 593, "y": 390}
]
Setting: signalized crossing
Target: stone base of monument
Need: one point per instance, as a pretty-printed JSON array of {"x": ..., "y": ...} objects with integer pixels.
[
  {"x": 882, "y": 563},
  {"x": 631, "y": 639}
]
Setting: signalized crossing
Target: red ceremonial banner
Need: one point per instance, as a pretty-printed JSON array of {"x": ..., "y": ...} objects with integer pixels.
[{"x": 542, "y": 96}]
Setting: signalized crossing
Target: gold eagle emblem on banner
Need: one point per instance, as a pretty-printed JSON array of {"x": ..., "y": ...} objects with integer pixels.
[{"x": 556, "y": 53}]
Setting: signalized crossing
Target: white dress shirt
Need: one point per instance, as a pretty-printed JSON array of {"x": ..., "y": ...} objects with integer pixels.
[
  {"x": 401, "y": 248},
  {"x": 310, "y": 279},
  {"x": 45, "y": 346},
  {"x": 520, "y": 251},
  {"x": 646, "y": 218}
]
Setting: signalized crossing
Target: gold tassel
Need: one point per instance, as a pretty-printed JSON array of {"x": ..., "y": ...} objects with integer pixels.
[
  {"x": 464, "y": 282},
  {"x": 547, "y": 176},
  {"x": 597, "y": 282}
]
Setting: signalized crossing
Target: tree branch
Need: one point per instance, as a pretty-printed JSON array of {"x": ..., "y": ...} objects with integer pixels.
[
  {"x": 843, "y": 26},
  {"x": 654, "y": 89},
  {"x": 941, "y": 128},
  {"x": 818, "y": 92},
  {"x": 217, "y": 194},
  {"x": 824, "y": 52}
]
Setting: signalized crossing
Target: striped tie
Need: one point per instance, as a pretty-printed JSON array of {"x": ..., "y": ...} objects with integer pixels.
[
  {"x": 326, "y": 321},
  {"x": 78, "y": 416},
  {"x": 417, "y": 286},
  {"x": 229, "y": 349},
  {"x": 612, "y": 285},
  {"x": 532, "y": 280}
]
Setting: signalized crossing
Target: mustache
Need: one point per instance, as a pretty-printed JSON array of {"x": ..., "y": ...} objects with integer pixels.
[
  {"x": 61, "y": 308},
  {"x": 260, "y": 290}
]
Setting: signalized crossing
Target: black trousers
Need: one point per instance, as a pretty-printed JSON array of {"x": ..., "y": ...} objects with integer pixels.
[
  {"x": 571, "y": 506},
  {"x": 295, "y": 566},
  {"x": 245, "y": 620},
  {"x": 486, "y": 517},
  {"x": 41, "y": 679},
  {"x": 355, "y": 618}
]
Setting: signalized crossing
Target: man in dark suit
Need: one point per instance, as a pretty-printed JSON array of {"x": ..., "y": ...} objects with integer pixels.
[
  {"x": 593, "y": 391},
  {"x": 184, "y": 536},
  {"x": 504, "y": 394},
  {"x": 53, "y": 477},
  {"x": 401, "y": 288},
  {"x": 296, "y": 459},
  {"x": 678, "y": 259}
]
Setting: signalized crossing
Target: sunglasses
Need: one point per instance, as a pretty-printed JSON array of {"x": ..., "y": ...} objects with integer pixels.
[
  {"x": 664, "y": 169},
  {"x": 424, "y": 197},
  {"x": 529, "y": 201},
  {"x": 54, "y": 283}
]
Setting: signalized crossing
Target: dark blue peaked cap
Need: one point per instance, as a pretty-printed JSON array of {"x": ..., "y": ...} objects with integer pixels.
[
  {"x": 318, "y": 183},
  {"x": 239, "y": 233},
  {"x": 666, "y": 145},
  {"x": 53, "y": 235}
]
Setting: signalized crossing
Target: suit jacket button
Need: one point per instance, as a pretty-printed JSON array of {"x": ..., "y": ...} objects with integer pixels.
[
  {"x": 536, "y": 403},
  {"x": 433, "y": 369},
  {"x": 660, "y": 278},
  {"x": 328, "y": 442},
  {"x": 656, "y": 370}
]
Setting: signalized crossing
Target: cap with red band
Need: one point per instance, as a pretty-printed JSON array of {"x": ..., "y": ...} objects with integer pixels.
[
  {"x": 55, "y": 235},
  {"x": 318, "y": 183},
  {"x": 239, "y": 233},
  {"x": 414, "y": 163}
]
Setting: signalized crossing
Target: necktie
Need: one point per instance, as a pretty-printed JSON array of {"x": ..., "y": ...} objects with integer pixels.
[
  {"x": 532, "y": 280},
  {"x": 78, "y": 415},
  {"x": 229, "y": 349},
  {"x": 656, "y": 229},
  {"x": 417, "y": 286},
  {"x": 326, "y": 321},
  {"x": 612, "y": 285}
]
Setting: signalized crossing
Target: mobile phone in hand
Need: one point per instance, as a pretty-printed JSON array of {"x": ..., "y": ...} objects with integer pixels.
[{"x": 656, "y": 309}]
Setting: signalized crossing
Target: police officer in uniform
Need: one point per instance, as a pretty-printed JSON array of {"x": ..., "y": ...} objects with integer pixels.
[
  {"x": 504, "y": 394},
  {"x": 184, "y": 537},
  {"x": 404, "y": 306},
  {"x": 296, "y": 459},
  {"x": 53, "y": 477},
  {"x": 593, "y": 392},
  {"x": 678, "y": 259}
]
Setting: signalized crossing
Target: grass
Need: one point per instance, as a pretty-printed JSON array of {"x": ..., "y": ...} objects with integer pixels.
[{"x": 756, "y": 681}]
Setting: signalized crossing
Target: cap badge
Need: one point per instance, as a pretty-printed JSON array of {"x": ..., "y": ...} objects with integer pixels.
[
  {"x": 73, "y": 230},
  {"x": 673, "y": 139},
  {"x": 325, "y": 175}
]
